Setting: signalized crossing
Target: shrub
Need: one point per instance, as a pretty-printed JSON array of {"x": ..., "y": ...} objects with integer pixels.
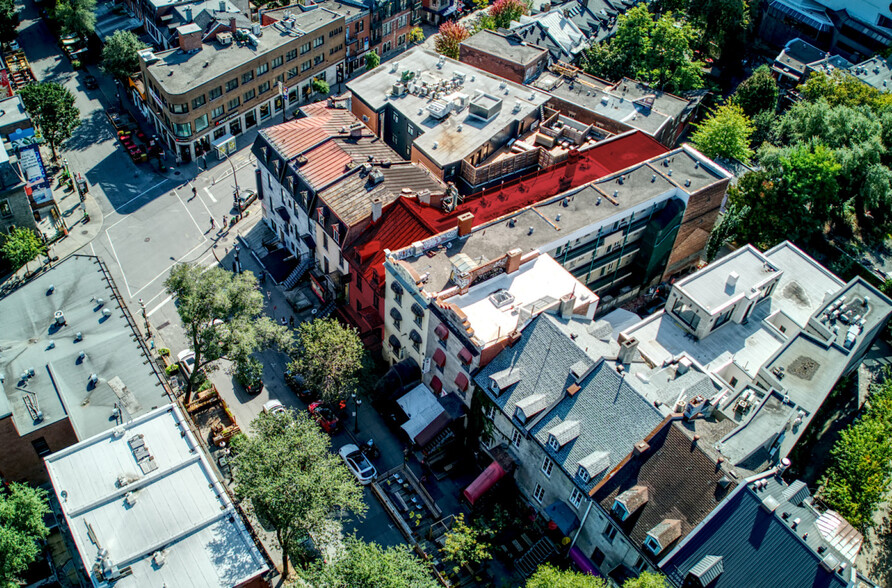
[
  {"x": 163, "y": 351},
  {"x": 172, "y": 369}
]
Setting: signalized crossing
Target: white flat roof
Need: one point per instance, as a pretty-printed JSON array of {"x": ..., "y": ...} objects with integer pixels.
[
  {"x": 534, "y": 281},
  {"x": 422, "y": 408},
  {"x": 181, "y": 509}
]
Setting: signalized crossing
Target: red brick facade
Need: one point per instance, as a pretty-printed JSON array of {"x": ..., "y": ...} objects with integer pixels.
[
  {"x": 502, "y": 66},
  {"x": 699, "y": 218},
  {"x": 19, "y": 461}
]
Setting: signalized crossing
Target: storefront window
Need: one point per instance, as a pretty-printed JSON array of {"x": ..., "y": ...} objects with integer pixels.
[
  {"x": 264, "y": 112},
  {"x": 219, "y": 132},
  {"x": 250, "y": 119},
  {"x": 278, "y": 104},
  {"x": 235, "y": 127},
  {"x": 182, "y": 129},
  {"x": 201, "y": 123}
]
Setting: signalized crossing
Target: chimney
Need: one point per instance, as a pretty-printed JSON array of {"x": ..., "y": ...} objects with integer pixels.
[
  {"x": 232, "y": 26},
  {"x": 568, "y": 301},
  {"x": 465, "y": 223},
  {"x": 356, "y": 131},
  {"x": 732, "y": 281},
  {"x": 513, "y": 261},
  {"x": 627, "y": 350},
  {"x": 783, "y": 466},
  {"x": 377, "y": 205},
  {"x": 189, "y": 37},
  {"x": 424, "y": 197},
  {"x": 641, "y": 447},
  {"x": 222, "y": 5},
  {"x": 684, "y": 364},
  {"x": 188, "y": 14}
]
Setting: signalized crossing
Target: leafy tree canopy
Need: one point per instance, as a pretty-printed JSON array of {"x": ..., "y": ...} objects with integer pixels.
[
  {"x": 842, "y": 89},
  {"x": 463, "y": 544},
  {"x": 120, "y": 54},
  {"x": 372, "y": 61},
  {"x": 416, "y": 35},
  {"x": 647, "y": 580},
  {"x": 725, "y": 133},
  {"x": 20, "y": 246},
  {"x": 320, "y": 86},
  {"x": 207, "y": 296},
  {"x": 655, "y": 50},
  {"x": 369, "y": 565},
  {"x": 757, "y": 93},
  {"x": 329, "y": 357},
  {"x": 449, "y": 37},
  {"x": 504, "y": 12},
  {"x": 52, "y": 108},
  {"x": 77, "y": 17},
  {"x": 22, "y": 509},
  {"x": 293, "y": 480},
  {"x": 548, "y": 576},
  {"x": 9, "y": 21}
]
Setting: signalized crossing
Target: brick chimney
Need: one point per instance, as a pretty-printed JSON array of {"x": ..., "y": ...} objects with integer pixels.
[
  {"x": 513, "y": 263},
  {"x": 465, "y": 223},
  {"x": 377, "y": 207},
  {"x": 568, "y": 301},
  {"x": 190, "y": 37},
  {"x": 232, "y": 26}
]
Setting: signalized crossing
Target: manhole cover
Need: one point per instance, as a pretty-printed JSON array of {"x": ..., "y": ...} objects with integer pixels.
[
  {"x": 147, "y": 239},
  {"x": 84, "y": 232},
  {"x": 176, "y": 173}
]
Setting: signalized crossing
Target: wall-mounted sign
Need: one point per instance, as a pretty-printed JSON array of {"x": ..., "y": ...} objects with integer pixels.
[{"x": 38, "y": 187}]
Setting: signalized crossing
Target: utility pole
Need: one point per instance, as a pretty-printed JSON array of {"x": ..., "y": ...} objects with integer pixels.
[{"x": 145, "y": 317}]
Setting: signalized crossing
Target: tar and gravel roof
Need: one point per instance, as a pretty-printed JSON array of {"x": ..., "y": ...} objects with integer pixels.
[
  {"x": 504, "y": 46},
  {"x": 180, "y": 513},
  {"x": 59, "y": 389}
]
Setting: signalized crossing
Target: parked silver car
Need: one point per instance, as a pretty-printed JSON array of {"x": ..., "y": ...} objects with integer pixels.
[{"x": 357, "y": 463}]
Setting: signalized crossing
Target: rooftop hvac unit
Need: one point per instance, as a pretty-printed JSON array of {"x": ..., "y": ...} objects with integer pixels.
[
  {"x": 459, "y": 76},
  {"x": 224, "y": 38},
  {"x": 255, "y": 28},
  {"x": 439, "y": 109},
  {"x": 398, "y": 89},
  {"x": 253, "y": 39}
]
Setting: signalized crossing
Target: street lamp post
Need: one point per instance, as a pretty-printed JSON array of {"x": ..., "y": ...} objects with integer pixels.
[
  {"x": 145, "y": 317},
  {"x": 357, "y": 402}
]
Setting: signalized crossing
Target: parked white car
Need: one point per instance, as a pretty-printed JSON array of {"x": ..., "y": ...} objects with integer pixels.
[
  {"x": 273, "y": 407},
  {"x": 186, "y": 359},
  {"x": 357, "y": 463}
]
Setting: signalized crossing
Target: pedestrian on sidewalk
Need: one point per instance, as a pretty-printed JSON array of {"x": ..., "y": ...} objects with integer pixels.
[
  {"x": 225, "y": 224},
  {"x": 213, "y": 223},
  {"x": 291, "y": 321},
  {"x": 283, "y": 321},
  {"x": 405, "y": 456},
  {"x": 269, "y": 296},
  {"x": 194, "y": 192}
]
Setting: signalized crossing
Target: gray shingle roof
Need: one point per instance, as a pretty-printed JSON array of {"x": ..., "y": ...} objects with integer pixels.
[
  {"x": 565, "y": 432},
  {"x": 595, "y": 463},
  {"x": 506, "y": 377},
  {"x": 532, "y": 405}
]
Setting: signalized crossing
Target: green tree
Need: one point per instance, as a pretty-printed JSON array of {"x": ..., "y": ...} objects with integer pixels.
[
  {"x": 548, "y": 576},
  {"x": 372, "y": 61},
  {"x": 22, "y": 510},
  {"x": 757, "y": 93},
  {"x": 416, "y": 35},
  {"x": 207, "y": 296},
  {"x": 9, "y": 21},
  {"x": 329, "y": 357},
  {"x": 120, "y": 54},
  {"x": 77, "y": 17},
  {"x": 20, "y": 246},
  {"x": 724, "y": 23},
  {"x": 726, "y": 230},
  {"x": 449, "y": 37},
  {"x": 52, "y": 109},
  {"x": 504, "y": 12},
  {"x": 840, "y": 88},
  {"x": 647, "y": 580},
  {"x": 654, "y": 50},
  {"x": 858, "y": 479},
  {"x": 293, "y": 480},
  {"x": 725, "y": 133},
  {"x": 369, "y": 565},
  {"x": 811, "y": 174},
  {"x": 320, "y": 86},
  {"x": 463, "y": 544}
]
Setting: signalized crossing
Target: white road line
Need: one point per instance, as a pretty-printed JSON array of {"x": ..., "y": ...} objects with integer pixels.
[
  {"x": 186, "y": 208},
  {"x": 92, "y": 248},
  {"x": 211, "y": 196},
  {"x": 163, "y": 302},
  {"x": 115, "y": 253},
  {"x": 167, "y": 269},
  {"x": 140, "y": 195}
]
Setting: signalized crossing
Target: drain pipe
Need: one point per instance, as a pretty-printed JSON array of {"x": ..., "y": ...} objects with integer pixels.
[{"x": 582, "y": 524}]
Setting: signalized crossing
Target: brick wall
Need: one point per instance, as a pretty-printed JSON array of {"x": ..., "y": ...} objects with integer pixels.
[
  {"x": 699, "y": 218},
  {"x": 19, "y": 460},
  {"x": 360, "y": 109},
  {"x": 20, "y": 214},
  {"x": 505, "y": 68}
]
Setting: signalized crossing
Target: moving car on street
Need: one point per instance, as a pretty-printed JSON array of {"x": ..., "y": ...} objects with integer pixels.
[
  {"x": 325, "y": 417},
  {"x": 273, "y": 407},
  {"x": 357, "y": 463}
]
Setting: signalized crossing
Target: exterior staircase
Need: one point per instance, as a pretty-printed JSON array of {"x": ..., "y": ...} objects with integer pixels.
[
  {"x": 305, "y": 264},
  {"x": 538, "y": 553},
  {"x": 326, "y": 310}
]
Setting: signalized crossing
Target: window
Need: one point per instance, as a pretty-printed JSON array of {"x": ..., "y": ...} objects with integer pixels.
[
  {"x": 733, "y": 382},
  {"x": 411, "y": 130},
  {"x": 515, "y": 438},
  {"x": 247, "y": 77},
  {"x": 723, "y": 318},
  {"x": 215, "y": 93},
  {"x": 5, "y": 209},
  {"x": 620, "y": 510},
  {"x": 609, "y": 532},
  {"x": 387, "y": 28},
  {"x": 360, "y": 26},
  {"x": 396, "y": 117},
  {"x": 491, "y": 411},
  {"x": 182, "y": 129},
  {"x": 575, "y": 497},
  {"x": 686, "y": 314},
  {"x": 398, "y": 298},
  {"x": 321, "y": 76},
  {"x": 396, "y": 324},
  {"x": 539, "y": 493},
  {"x": 652, "y": 545},
  {"x": 291, "y": 55},
  {"x": 304, "y": 48},
  {"x": 265, "y": 111},
  {"x": 201, "y": 123},
  {"x": 387, "y": 46},
  {"x": 418, "y": 319},
  {"x": 306, "y": 65},
  {"x": 553, "y": 443},
  {"x": 41, "y": 447},
  {"x": 292, "y": 73},
  {"x": 325, "y": 240},
  {"x": 402, "y": 21},
  {"x": 582, "y": 473},
  {"x": 179, "y": 108},
  {"x": 318, "y": 59},
  {"x": 234, "y": 103},
  {"x": 318, "y": 41},
  {"x": 335, "y": 49},
  {"x": 264, "y": 87},
  {"x": 249, "y": 95},
  {"x": 217, "y": 112},
  {"x": 639, "y": 564},
  {"x": 547, "y": 467},
  {"x": 262, "y": 69},
  {"x": 278, "y": 61},
  {"x": 334, "y": 32},
  {"x": 280, "y": 78},
  {"x": 232, "y": 84}
]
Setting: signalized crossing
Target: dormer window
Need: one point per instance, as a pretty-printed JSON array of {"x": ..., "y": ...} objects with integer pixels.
[
  {"x": 553, "y": 443},
  {"x": 652, "y": 545},
  {"x": 620, "y": 511},
  {"x": 582, "y": 475}
]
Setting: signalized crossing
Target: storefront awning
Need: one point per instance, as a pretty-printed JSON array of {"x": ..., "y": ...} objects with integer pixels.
[
  {"x": 395, "y": 342},
  {"x": 439, "y": 357},
  {"x": 465, "y": 355},
  {"x": 585, "y": 565},
  {"x": 486, "y": 480},
  {"x": 563, "y": 516},
  {"x": 436, "y": 385},
  {"x": 461, "y": 381},
  {"x": 442, "y": 332}
]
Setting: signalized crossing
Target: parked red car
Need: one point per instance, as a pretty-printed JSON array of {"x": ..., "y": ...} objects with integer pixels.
[{"x": 325, "y": 417}]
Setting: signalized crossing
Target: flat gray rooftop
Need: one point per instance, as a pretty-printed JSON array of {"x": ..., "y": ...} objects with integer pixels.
[
  {"x": 874, "y": 72},
  {"x": 179, "y": 72},
  {"x": 30, "y": 339},
  {"x": 504, "y": 47},
  {"x": 442, "y": 142},
  {"x": 617, "y": 102},
  {"x": 12, "y": 112},
  {"x": 709, "y": 287}
]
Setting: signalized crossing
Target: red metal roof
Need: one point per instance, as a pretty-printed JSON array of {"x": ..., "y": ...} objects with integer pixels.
[
  {"x": 484, "y": 482},
  {"x": 325, "y": 163},
  {"x": 601, "y": 160},
  {"x": 296, "y": 136}
]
